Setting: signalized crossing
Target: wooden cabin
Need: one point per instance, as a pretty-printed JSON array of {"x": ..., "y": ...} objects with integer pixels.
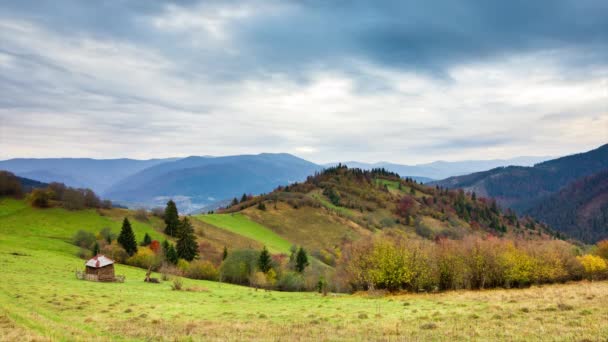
[{"x": 100, "y": 268}]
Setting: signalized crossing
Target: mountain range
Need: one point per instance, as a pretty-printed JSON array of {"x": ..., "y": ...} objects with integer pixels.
[
  {"x": 550, "y": 191},
  {"x": 202, "y": 182},
  {"x": 443, "y": 169}
]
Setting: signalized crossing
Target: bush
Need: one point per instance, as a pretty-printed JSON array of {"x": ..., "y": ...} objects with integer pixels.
[
  {"x": 595, "y": 267},
  {"x": 144, "y": 258},
  {"x": 290, "y": 281},
  {"x": 177, "y": 284},
  {"x": 183, "y": 265},
  {"x": 40, "y": 198},
  {"x": 141, "y": 215},
  {"x": 84, "y": 239},
  {"x": 258, "y": 280},
  {"x": 239, "y": 265},
  {"x": 202, "y": 270},
  {"x": 106, "y": 235},
  {"x": 115, "y": 251}
]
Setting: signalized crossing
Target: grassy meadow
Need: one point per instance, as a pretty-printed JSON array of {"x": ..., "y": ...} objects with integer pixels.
[
  {"x": 40, "y": 299},
  {"x": 241, "y": 225}
]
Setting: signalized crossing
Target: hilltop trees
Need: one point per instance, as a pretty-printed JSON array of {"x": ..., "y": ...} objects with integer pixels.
[
  {"x": 10, "y": 185},
  {"x": 186, "y": 241},
  {"x": 127, "y": 238},
  {"x": 171, "y": 219}
]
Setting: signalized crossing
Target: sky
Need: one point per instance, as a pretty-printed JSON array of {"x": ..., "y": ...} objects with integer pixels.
[{"x": 396, "y": 80}]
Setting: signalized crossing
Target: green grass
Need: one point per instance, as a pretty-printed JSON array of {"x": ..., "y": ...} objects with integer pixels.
[
  {"x": 240, "y": 224},
  {"x": 393, "y": 187},
  {"x": 327, "y": 204},
  {"x": 40, "y": 299}
]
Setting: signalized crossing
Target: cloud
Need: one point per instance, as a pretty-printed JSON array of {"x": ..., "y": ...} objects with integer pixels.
[{"x": 385, "y": 80}]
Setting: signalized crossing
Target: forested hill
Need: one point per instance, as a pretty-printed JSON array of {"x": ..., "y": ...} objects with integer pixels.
[
  {"x": 521, "y": 188},
  {"x": 354, "y": 201},
  {"x": 580, "y": 209}
]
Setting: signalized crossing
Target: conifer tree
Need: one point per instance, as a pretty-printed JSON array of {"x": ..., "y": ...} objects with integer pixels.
[
  {"x": 301, "y": 260},
  {"x": 225, "y": 253},
  {"x": 234, "y": 202},
  {"x": 264, "y": 260},
  {"x": 95, "y": 248},
  {"x": 171, "y": 254},
  {"x": 171, "y": 219},
  {"x": 147, "y": 240},
  {"x": 186, "y": 241},
  {"x": 127, "y": 238},
  {"x": 244, "y": 198}
]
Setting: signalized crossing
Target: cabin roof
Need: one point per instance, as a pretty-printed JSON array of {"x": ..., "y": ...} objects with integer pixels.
[{"x": 99, "y": 260}]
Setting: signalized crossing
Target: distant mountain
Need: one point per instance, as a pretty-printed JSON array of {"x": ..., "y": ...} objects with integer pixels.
[
  {"x": 28, "y": 184},
  {"x": 197, "y": 182},
  {"x": 444, "y": 169},
  {"x": 579, "y": 210},
  {"x": 522, "y": 188},
  {"x": 96, "y": 174}
]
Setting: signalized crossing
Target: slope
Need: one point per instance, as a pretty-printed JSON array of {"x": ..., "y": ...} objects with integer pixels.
[
  {"x": 40, "y": 299},
  {"x": 340, "y": 205},
  {"x": 521, "y": 188},
  {"x": 579, "y": 210}
]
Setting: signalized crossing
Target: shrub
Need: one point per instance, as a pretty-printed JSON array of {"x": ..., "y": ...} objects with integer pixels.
[
  {"x": 40, "y": 198},
  {"x": 202, "y": 270},
  {"x": 115, "y": 251},
  {"x": 144, "y": 258},
  {"x": 84, "y": 239},
  {"x": 258, "y": 280},
  {"x": 177, "y": 284},
  {"x": 183, "y": 265},
  {"x": 106, "y": 235},
  {"x": 290, "y": 281},
  {"x": 239, "y": 265},
  {"x": 594, "y": 266},
  {"x": 141, "y": 215}
]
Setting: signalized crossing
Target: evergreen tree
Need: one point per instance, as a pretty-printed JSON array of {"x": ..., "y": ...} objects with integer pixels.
[
  {"x": 261, "y": 206},
  {"x": 127, "y": 238},
  {"x": 171, "y": 254},
  {"x": 264, "y": 260},
  {"x": 171, "y": 219},
  {"x": 234, "y": 202},
  {"x": 412, "y": 191},
  {"x": 186, "y": 241},
  {"x": 147, "y": 240},
  {"x": 95, "y": 248},
  {"x": 225, "y": 253},
  {"x": 301, "y": 260},
  {"x": 244, "y": 198}
]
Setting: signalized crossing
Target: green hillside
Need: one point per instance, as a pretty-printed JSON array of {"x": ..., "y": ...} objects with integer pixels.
[
  {"x": 341, "y": 205},
  {"x": 241, "y": 225},
  {"x": 41, "y": 299},
  {"x": 53, "y": 228}
]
